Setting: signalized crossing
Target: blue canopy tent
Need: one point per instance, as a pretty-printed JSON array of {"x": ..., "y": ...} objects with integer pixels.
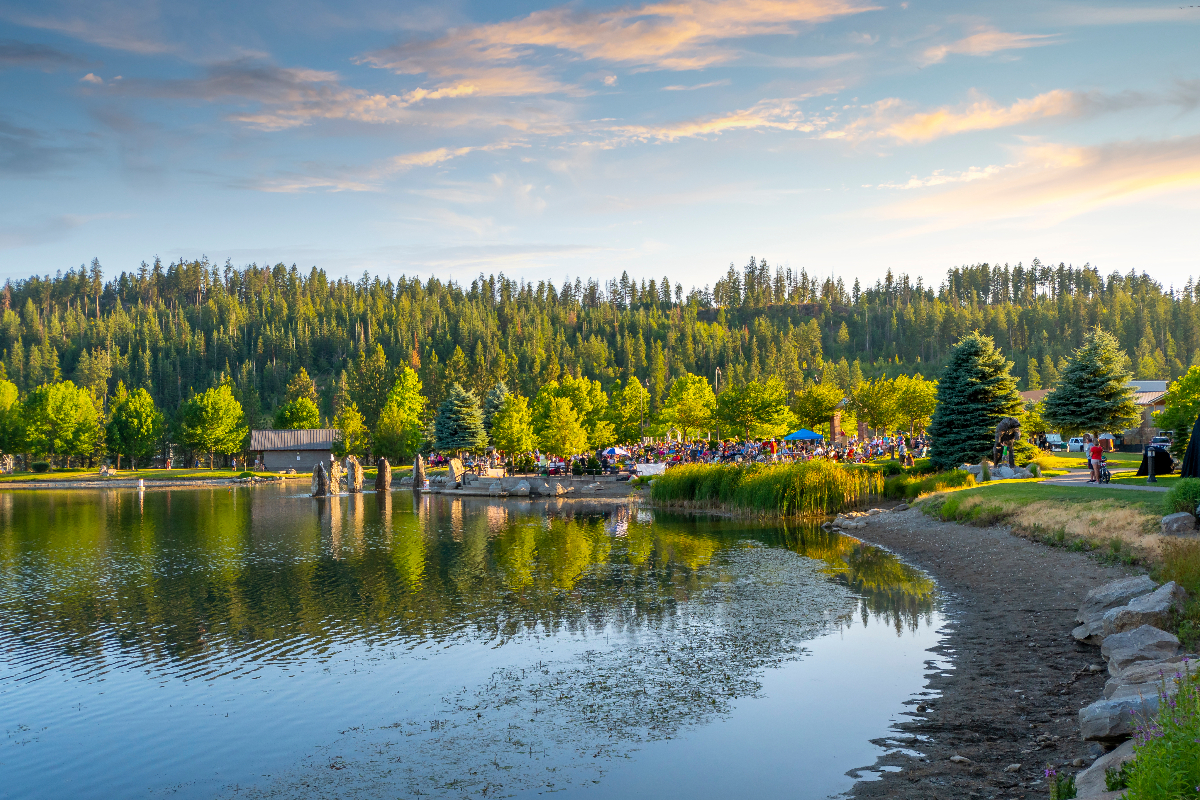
[{"x": 803, "y": 435}]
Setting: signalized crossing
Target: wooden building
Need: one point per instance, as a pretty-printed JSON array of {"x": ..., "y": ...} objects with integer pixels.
[{"x": 293, "y": 449}]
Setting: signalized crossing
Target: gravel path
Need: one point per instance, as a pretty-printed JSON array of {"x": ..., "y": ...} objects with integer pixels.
[{"x": 1019, "y": 679}]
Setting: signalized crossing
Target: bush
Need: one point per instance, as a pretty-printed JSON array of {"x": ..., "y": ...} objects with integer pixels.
[
  {"x": 893, "y": 468},
  {"x": 1184, "y": 496},
  {"x": 909, "y": 487},
  {"x": 1035, "y": 469},
  {"x": 1167, "y": 761},
  {"x": 40, "y": 466}
]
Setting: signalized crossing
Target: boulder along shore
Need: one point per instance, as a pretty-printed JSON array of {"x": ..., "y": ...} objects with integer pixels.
[{"x": 1019, "y": 678}]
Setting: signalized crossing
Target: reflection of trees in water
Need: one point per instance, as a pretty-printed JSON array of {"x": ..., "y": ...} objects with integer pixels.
[{"x": 890, "y": 589}]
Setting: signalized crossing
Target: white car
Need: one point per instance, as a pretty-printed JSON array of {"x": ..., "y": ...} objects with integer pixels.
[{"x": 1076, "y": 445}]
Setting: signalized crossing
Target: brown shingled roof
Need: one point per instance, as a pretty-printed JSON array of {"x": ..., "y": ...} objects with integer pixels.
[{"x": 303, "y": 439}]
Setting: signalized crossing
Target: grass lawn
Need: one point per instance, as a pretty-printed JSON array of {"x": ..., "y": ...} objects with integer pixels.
[
  {"x": 125, "y": 474},
  {"x": 1131, "y": 478},
  {"x": 1079, "y": 460}
]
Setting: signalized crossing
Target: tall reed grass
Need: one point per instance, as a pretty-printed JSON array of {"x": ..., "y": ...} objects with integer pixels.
[
  {"x": 799, "y": 489},
  {"x": 907, "y": 487}
]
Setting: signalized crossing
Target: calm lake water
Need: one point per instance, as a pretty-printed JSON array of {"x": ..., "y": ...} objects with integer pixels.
[{"x": 254, "y": 643}]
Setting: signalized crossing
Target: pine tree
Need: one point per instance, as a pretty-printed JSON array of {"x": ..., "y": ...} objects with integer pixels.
[
  {"x": 492, "y": 403},
  {"x": 975, "y": 391},
  {"x": 1091, "y": 394},
  {"x": 459, "y": 422}
]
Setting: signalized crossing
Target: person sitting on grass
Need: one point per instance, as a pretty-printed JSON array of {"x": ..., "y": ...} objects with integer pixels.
[{"x": 1094, "y": 456}]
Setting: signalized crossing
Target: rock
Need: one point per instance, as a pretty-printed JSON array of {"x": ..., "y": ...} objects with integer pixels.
[
  {"x": 456, "y": 472},
  {"x": 1111, "y": 595},
  {"x": 1079, "y": 762},
  {"x": 1149, "y": 609},
  {"x": 1013, "y": 768},
  {"x": 901, "y": 507},
  {"x": 336, "y": 477},
  {"x": 320, "y": 481},
  {"x": 1147, "y": 643},
  {"x": 1145, "y": 672},
  {"x": 1091, "y": 781},
  {"x": 383, "y": 476},
  {"x": 407, "y": 480},
  {"x": 1095, "y": 668},
  {"x": 1179, "y": 524},
  {"x": 418, "y": 479},
  {"x": 522, "y": 489},
  {"x": 1114, "y": 720},
  {"x": 354, "y": 475},
  {"x": 494, "y": 487},
  {"x": 957, "y": 759}
]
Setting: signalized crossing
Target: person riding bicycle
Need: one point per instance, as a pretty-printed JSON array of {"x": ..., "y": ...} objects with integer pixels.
[{"x": 1095, "y": 455}]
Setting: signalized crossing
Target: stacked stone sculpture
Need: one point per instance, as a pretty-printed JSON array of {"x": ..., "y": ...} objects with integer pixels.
[
  {"x": 320, "y": 481},
  {"x": 383, "y": 476},
  {"x": 354, "y": 475},
  {"x": 337, "y": 478}
]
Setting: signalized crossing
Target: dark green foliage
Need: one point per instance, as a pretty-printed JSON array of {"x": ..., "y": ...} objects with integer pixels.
[
  {"x": 975, "y": 392},
  {"x": 1091, "y": 394},
  {"x": 459, "y": 423},
  {"x": 492, "y": 403},
  {"x": 1183, "y": 496},
  {"x": 40, "y": 466}
]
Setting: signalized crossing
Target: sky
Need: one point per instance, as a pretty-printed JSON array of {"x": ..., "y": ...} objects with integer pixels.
[{"x": 547, "y": 141}]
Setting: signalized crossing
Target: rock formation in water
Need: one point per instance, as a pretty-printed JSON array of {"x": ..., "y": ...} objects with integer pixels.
[
  {"x": 418, "y": 474},
  {"x": 354, "y": 475},
  {"x": 320, "y": 481},
  {"x": 383, "y": 476},
  {"x": 337, "y": 477}
]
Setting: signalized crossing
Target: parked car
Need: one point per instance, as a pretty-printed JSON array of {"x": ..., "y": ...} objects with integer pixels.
[
  {"x": 1054, "y": 442},
  {"x": 1076, "y": 445},
  {"x": 1161, "y": 442}
]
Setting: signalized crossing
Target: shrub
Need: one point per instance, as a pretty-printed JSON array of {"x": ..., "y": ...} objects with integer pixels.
[
  {"x": 1183, "y": 496},
  {"x": 893, "y": 468},
  {"x": 1035, "y": 469},
  {"x": 1062, "y": 787},
  {"x": 40, "y": 466},
  {"x": 1167, "y": 761},
  {"x": 985, "y": 472}
]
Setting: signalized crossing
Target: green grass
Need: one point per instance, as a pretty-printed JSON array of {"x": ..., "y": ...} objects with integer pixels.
[
  {"x": 1032, "y": 492},
  {"x": 1131, "y": 479},
  {"x": 802, "y": 488},
  {"x": 909, "y": 487}
]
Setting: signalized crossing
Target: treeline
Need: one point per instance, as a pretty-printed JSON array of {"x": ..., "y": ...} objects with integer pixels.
[{"x": 180, "y": 329}]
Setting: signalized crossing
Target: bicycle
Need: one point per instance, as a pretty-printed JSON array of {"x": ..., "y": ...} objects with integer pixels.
[{"x": 1105, "y": 475}]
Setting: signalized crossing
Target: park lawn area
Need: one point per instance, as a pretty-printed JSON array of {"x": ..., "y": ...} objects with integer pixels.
[
  {"x": 1122, "y": 525},
  {"x": 1130, "y": 478},
  {"x": 1079, "y": 460},
  {"x": 89, "y": 474}
]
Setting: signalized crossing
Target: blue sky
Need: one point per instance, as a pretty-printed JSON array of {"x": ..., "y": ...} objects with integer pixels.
[{"x": 587, "y": 139}]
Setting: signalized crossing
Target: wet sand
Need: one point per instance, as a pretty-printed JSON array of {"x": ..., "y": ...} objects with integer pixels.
[{"x": 1018, "y": 675}]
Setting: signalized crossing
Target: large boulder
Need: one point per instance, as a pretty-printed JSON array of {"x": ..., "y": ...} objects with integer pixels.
[
  {"x": 383, "y": 476},
  {"x": 1147, "y": 643},
  {"x": 1090, "y": 782},
  {"x": 1149, "y": 609},
  {"x": 354, "y": 475},
  {"x": 1115, "y": 720},
  {"x": 1179, "y": 524},
  {"x": 320, "y": 481},
  {"x": 337, "y": 477},
  {"x": 1101, "y": 599},
  {"x": 522, "y": 489}
]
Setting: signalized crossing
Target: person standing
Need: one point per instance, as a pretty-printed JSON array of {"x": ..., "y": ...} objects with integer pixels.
[{"x": 1094, "y": 456}]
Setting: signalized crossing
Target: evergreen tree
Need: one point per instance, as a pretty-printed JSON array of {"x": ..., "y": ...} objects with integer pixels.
[
  {"x": 975, "y": 391},
  {"x": 1091, "y": 394},
  {"x": 459, "y": 422},
  {"x": 301, "y": 385},
  {"x": 492, "y": 403}
]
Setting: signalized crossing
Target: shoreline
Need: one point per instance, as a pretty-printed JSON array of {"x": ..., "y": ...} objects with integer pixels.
[
  {"x": 1018, "y": 678},
  {"x": 150, "y": 483}
]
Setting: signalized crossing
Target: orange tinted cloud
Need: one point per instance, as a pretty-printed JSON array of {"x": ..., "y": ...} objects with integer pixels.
[
  {"x": 985, "y": 43},
  {"x": 765, "y": 115}
]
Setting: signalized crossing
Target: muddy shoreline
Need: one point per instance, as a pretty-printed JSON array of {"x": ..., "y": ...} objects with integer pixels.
[{"x": 1019, "y": 679}]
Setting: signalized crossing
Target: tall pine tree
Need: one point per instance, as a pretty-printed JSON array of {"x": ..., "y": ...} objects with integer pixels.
[
  {"x": 975, "y": 391},
  {"x": 459, "y": 422},
  {"x": 1091, "y": 394}
]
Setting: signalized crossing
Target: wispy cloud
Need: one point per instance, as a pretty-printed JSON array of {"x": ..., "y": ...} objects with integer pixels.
[
  {"x": 36, "y": 56},
  {"x": 775, "y": 114},
  {"x": 941, "y": 177},
  {"x": 986, "y": 42},
  {"x": 1118, "y": 15},
  {"x": 127, "y": 25},
  {"x": 25, "y": 151},
  {"x": 895, "y": 120},
  {"x": 1053, "y": 182},
  {"x": 709, "y": 85}
]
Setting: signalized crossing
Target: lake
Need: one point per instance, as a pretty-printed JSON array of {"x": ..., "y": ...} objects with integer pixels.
[{"x": 252, "y": 642}]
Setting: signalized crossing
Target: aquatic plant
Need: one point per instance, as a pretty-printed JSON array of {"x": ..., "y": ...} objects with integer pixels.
[
  {"x": 1166, "y": 764},
  {"x": 802, "y": 488}
]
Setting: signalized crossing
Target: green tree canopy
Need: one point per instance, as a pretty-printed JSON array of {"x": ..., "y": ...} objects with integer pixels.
[
  {"x": 212, "y": 422},
  {"x": 368, "y": 383},
  {"x": 512, "y": 426},
  {"x": 298, "y": 414},
  {"x": 398, "y": 433},
  {"x": 631, "y": 408},
  {"x": 301, "y": 385},
  {"x": 1091, "y": 394},
  {"x": 814, "y": 407},
  {"x": 690, "y": 404},
  {"x": 60, "y": 420},
  {"x": 10, "y": 418},
  {"x": 459, "y": 422},
  {"x": 756, "y": 409},
  {"x": 136, "y": 426},
  {"x": 564, "y": 434},
  {"x": 354, "y": 437},
  {"x": 975, "y": 391},
  {"x": 916, "y": 398},
  {"x": 1182, "y": 409}
]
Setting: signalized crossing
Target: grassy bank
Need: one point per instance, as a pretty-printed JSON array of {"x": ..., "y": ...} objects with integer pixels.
[{"x": 806, "y": 488}]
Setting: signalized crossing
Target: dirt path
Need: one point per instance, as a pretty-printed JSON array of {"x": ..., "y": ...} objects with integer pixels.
[{"x": 1018, "y": 673}]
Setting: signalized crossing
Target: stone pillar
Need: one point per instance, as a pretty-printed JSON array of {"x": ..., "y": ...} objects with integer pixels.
[
  {"x": 418, "y": 474},
  {"x": 383, "y": 477},
  {"x": 354, "y": 475},
  {"x": 320, "y": 481},
  {"x": 336, "y": 477}
]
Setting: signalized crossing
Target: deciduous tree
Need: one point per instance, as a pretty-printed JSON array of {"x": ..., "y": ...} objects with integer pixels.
[
  {"x": 398, "y": 432},
  {"x": 212, "y": 422}
]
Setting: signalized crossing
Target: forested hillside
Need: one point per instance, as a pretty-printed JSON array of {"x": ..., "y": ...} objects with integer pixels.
[{"x": 179, "y": 329}]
